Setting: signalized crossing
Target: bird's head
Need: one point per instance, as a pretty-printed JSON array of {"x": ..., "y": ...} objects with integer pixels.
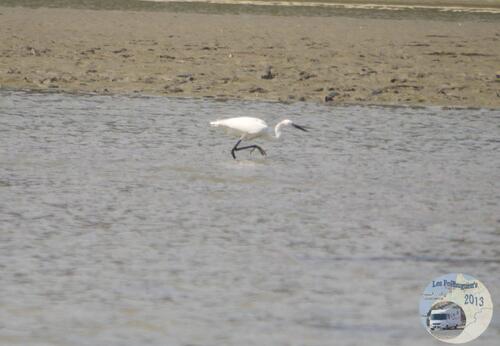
[
  {"x": 289, "y": 122},
  {"x": 286, "y": 122}
]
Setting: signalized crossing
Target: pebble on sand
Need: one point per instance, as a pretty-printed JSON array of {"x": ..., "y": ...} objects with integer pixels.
[
  {"x": 268, "y": 73},
  {"x": 331, "y": 96}
]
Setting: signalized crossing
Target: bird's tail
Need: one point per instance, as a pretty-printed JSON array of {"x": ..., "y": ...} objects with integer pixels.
[{"x": 215, "y": 123}]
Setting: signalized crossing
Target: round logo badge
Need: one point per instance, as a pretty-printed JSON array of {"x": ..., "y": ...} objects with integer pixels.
[{"x": 456, "y": 308}]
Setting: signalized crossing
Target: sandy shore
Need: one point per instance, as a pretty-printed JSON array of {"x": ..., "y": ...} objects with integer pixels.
[{"x": 343, "y": 60}]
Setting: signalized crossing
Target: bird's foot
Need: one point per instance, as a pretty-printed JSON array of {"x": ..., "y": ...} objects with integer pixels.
[{"x": 261, "y": 151}]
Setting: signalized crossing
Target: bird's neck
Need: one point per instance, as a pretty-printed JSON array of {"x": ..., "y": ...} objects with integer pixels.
[{"x": 277, "y": 129}]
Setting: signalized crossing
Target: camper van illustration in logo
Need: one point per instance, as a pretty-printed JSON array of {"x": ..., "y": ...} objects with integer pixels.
[
  {"x": 446, "y": 315},
  {"x": 456, "y": 308}
]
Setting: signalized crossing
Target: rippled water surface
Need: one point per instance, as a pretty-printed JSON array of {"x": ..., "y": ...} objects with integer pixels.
[{"x": 125, "y": 221}]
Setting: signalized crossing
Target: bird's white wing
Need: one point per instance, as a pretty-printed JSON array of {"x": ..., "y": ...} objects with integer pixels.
[{"x": 243, "y": 125}]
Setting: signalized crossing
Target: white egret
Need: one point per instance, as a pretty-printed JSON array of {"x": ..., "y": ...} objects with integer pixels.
[{"x": 250, "y": 128}]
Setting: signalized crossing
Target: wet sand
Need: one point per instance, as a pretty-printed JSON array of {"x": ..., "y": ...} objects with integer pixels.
[{"x": 229, "y": 56}]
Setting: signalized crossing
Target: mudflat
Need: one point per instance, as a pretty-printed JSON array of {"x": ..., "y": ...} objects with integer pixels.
[{"x": 244, "y": 56}]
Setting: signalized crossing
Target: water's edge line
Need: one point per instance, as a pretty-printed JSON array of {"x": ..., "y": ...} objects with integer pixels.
[
  {"x": 233, "y": 99},
  {"x": 342, "y": 5}
]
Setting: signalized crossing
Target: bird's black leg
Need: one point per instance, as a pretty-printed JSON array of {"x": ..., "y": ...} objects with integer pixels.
[
  {"x": 235, "y": 148},
  {"x": 253, "y": 147}
]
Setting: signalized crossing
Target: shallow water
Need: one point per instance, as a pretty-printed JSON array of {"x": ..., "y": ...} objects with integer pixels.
[
  {"x": 125, "y": 221},
  {"x": 448, "y": 11}
]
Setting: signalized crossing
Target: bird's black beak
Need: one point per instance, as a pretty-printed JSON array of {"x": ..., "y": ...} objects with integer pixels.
[{"x": 299, "y": 127}]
